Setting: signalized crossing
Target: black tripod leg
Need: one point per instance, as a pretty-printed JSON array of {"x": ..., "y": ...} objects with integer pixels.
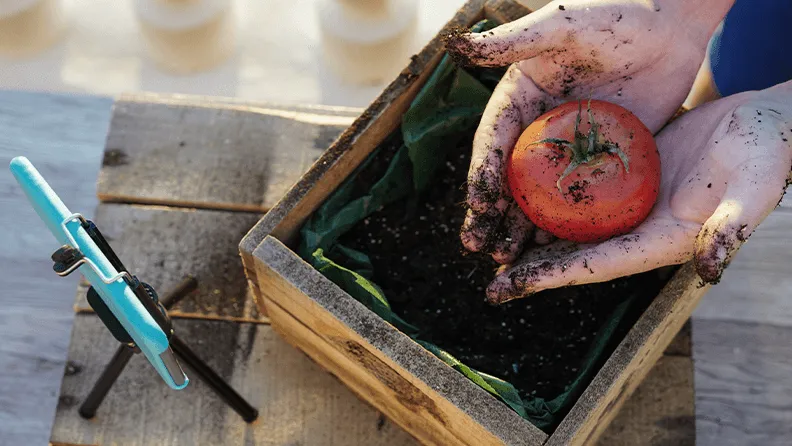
[
  {"x": 125, "y": 353},
  {"x": 185, "y": 287},
  {"x": 229, "y": 395},
  {"x": 106, "y": 380}
]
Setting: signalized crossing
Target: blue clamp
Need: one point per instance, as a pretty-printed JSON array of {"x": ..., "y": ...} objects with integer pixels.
[{"x": 129, "y": 308}]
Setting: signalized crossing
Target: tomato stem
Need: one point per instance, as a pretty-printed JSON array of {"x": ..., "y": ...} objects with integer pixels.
[{"x": 585, "y": 148}]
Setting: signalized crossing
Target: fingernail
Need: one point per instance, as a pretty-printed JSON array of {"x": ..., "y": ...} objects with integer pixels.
[
  {"x": 470, "y": 241},
  {"x": 476, "y": 203},
  {"x": 715, "y": 249},
  {"x": 709, "y": 268},
  {"x": 475, "y": 230},
  {"x": 504, "y": 258},
  {"x": 495, "y": 300},
  {"x": 498, "y": 290},
  {"x": 543, "y": 237}
]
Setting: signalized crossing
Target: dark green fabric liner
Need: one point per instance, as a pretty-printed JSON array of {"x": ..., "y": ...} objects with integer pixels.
[{"x": 447, "y": 109}]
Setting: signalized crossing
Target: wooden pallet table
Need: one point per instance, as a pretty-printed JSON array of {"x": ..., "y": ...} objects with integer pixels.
[{"x": 169, "y": 222}]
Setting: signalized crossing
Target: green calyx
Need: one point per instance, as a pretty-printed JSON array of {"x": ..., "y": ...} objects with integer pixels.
[{"x": 585, "y": 147}]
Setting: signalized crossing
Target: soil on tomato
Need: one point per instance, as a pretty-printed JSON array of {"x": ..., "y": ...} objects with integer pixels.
[
  {"x": 537, "y": 344},
  {"x": 578, "y": 191}
]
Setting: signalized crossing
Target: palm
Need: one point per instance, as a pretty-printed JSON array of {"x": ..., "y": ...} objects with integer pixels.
[
  {"x": 725, "y": 167},
  {"x": 627, "y": 52},
  {"x": 622, "y": 50}
]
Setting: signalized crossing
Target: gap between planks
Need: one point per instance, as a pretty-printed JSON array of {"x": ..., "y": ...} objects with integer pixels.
[
  {"x": 180, "y": 315},
  {"x": 175, "y": 204}
]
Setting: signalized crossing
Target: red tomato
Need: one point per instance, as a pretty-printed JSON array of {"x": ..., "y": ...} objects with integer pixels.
[{"x": 581, "y": 191}]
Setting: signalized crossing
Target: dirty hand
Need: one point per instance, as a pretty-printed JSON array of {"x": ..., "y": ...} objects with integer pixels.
[
  {"x": 642, "y": 55},
  {"x": 725, "y": 167}
]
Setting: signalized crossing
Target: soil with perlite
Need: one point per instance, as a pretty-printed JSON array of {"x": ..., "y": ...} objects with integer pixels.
[{"x": 537, "y": 343}]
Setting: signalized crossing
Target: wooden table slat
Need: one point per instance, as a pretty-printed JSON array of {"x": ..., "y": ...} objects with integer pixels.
[
  {"x": 224, "y": 156},
  {"x": 743, "y": 383}
]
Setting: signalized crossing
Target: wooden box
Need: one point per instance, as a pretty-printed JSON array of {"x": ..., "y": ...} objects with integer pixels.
[{"x": 385, "y": 367}]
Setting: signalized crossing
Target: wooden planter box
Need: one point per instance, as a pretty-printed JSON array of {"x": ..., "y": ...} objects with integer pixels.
[{"x": 383, "y": 366}]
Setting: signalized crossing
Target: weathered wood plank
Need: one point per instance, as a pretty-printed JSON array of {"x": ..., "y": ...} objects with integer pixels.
[
  {"x": 503, "y": 11},
  {"x": 743, "y": 383},
  {"x": 757, "y": 284},
  {"x": 218, "y": 155},
  {"x": 415, "y": 382},
  {"x": 533, "y": 5},
  {"x": 240, "y": 103},
  {"x": 63, "y": 136},
  {"x": 298, "y": 403},
  {"x": 163, "y": 245},
  {"x": 661, "y": 411},
  {"x": 682, "y": 345},
  {"x": 353, "y": 375}
]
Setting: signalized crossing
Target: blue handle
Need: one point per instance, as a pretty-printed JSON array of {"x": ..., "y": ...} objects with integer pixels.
[{"x": 118, "y": 295}]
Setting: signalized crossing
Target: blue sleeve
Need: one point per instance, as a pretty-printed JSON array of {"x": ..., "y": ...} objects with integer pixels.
[{"x": 752, "y": 50}]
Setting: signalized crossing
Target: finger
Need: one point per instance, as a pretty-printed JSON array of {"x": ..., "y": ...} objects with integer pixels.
[
  {"x": 511, "y": 42},
  {"x": 543, "y": 237},
  {"x": 516, "y": 228},
  {"x": 515, "y": 103},
  {"x": 618, "y": 257},
  {"x": 540, "y": 252},
  {"x": 757, "y": 187},
  {"x": 479, "y": 228}
]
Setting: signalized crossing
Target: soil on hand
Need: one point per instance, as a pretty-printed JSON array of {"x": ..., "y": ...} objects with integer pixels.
[{"x": 537, "y": 344}]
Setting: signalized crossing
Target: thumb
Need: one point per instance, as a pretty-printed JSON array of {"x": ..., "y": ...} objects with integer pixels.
[
  {"x": 511, "y": 42},
  {"x": 747, "y": 202}
]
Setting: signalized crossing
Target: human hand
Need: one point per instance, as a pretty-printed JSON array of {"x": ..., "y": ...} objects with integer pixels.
[
  {"x": 639, "y": 54},
  {"x": 726, "y": 166}
]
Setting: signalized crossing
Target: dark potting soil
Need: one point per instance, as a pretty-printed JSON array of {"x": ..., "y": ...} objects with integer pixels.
[{"x": 537, "y": 344}]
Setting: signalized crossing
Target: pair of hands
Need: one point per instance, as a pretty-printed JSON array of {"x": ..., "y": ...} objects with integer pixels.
[{"x": 725, "y": 164}]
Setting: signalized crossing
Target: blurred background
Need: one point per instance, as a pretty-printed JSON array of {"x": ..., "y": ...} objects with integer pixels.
[{"x": 332, "y": 52}]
